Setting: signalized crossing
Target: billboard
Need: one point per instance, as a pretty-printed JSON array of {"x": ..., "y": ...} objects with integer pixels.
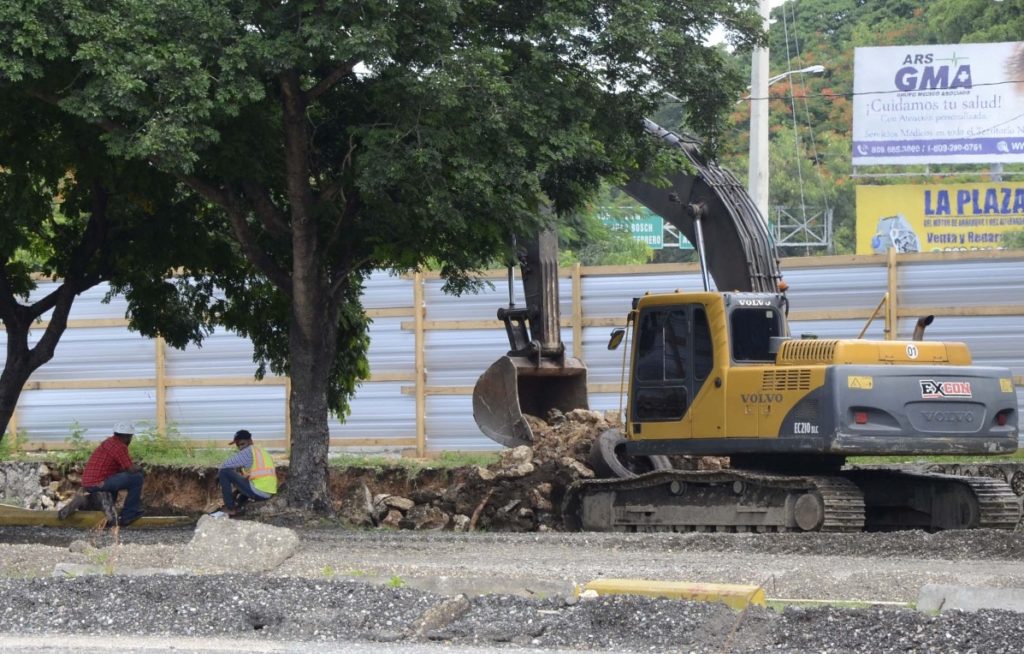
[
  {"x": 937, "y": 217},
  {"x": 915, "y": 104}
]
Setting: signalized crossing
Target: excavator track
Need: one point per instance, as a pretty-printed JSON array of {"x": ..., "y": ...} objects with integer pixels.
[
  {"x": 722, "y": 500},
  {"x": 744, "y": 500},
  {"x": 899, "y": 499}
]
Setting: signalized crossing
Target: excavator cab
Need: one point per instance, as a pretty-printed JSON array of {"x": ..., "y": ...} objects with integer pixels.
[{"x": 535, "y": 376}]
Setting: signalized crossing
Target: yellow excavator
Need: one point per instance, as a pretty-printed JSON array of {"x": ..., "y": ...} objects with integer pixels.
[{"x": 716, "y": 372}]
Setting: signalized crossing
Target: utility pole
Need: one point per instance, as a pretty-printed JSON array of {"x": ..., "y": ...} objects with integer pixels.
[{"x": 757, "y": 177}]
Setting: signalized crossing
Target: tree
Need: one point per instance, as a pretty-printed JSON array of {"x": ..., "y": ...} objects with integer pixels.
[
  {"x": 70, "y": 212},
  {"x": 589, "y": 240},
  {"x": 337, "y": 137}
]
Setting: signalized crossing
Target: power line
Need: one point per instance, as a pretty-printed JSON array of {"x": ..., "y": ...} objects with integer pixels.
[
  {"x": 889, "y": 92},
  {"x": 851, "y": 94}
]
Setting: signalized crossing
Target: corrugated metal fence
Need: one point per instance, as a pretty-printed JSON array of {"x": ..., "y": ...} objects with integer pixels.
[{"x": 424, "y": 363}]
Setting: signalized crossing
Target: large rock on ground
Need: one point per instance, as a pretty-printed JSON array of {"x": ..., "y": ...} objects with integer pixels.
[{"x": 223, "y": 545}]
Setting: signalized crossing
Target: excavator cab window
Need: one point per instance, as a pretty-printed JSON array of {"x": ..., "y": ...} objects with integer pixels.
[
  {"x": 674, "y": 357},
  {"x": 751, "y": 332}
]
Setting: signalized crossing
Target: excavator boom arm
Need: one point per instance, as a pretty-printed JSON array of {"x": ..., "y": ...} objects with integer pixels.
[{"x": 739, "y": 251}]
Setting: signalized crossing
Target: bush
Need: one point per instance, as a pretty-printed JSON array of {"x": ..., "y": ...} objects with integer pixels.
[
  {"x": 170, "y": 448},
  {"x": 78, "y": 450}
]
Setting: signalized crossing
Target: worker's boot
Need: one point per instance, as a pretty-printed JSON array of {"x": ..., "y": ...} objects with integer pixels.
[
  {"x": 77, "y": 501},
  {"x": 108, "y": 506}
]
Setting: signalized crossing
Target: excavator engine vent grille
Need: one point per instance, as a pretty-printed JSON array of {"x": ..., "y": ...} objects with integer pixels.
[
  {"x": 808, "y": 350},
  {"x": 786, "y": 380}
]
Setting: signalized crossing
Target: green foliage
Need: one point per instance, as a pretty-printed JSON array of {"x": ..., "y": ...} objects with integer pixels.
[
  {"x": 78, "y": 448},
  {"x": 858, "y": 460},
  {"x": 590, "y": 241},
  {"x": 9, "y": 450},
  {"x": 444, "y": 461},
  {"x": 396, "y": 582},
  {"x": 149, "y": 446},
  {"x": 1014, "y": 240},
  {"x": 153, "y": 447},
  {"x": 465, "y": 459},
  {"x": 974, "y": 21},
  {"x": 304, "y": 174},
  {"x": 811, "y": 115}
]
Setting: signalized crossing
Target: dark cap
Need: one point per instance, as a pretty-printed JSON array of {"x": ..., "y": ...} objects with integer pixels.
[{"x": 241, "y": 435}]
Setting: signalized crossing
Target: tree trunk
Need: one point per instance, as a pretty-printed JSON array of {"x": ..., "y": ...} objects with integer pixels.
[
  {"x": 21, "y": 360},
  {"x": 16, "y": 372},
  {"x": 312, "y": 344},
  {"x": 312, "y": 334}
]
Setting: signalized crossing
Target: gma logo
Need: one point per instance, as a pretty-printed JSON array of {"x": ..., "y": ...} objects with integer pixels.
[{"x": 930, "y": 78}]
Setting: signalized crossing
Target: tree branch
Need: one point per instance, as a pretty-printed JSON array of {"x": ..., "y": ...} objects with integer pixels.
[
  {"x": 348, "y": 204},
  {"x": 43, "y": 350},
  {"x": 268, "y": 213},
  {"x": 339, "y": 274},
  {"x": 77, "y": 278},
  {"x": 243, "y": 234},
  {"x": 254, "y": 253},
  {"x": 332, "y": 78},
  {"x": 11, "y": 311}
]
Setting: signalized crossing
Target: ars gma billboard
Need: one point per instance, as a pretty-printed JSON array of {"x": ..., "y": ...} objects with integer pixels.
[
  {"x": 937, "y": 217},
  {"x": 961, "y": 103}
]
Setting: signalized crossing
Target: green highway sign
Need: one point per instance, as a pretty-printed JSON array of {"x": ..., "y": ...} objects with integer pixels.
[{"x": 646, "y": 228}]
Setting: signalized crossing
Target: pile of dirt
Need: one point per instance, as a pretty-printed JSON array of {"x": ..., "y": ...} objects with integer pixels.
[
  {"x": 522, "y": 491},
  {"x": 570, "y": 434}
]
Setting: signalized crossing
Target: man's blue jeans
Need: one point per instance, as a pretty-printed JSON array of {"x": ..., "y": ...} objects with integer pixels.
[
  {"x": 129, "y": 481},
  {"x": 229, "y": 477}
]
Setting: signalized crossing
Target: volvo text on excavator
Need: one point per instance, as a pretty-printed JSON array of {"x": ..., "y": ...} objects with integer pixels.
[{"x": 716, "y": 372}]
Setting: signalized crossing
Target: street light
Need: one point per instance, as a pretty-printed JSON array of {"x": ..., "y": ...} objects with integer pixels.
[
  {"x": 757, "y": 174},
  {"x": 816, "y": 69}
]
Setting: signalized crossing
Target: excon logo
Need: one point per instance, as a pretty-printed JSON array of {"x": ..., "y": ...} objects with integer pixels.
[{"x": 931, "y": 389}]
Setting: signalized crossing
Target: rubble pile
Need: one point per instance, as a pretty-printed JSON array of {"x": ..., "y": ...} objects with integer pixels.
[
  {"x": 521, "y": 492},
  {"x": 29, "y": 485}
]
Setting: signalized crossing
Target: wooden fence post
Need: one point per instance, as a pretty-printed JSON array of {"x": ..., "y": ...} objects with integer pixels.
[
  {"x": 12, "y": 426},
  {"x": 288, "y": 419},
  {"x": 891, "y": 314},
  {"x": 421, "y": 373},
  {"x": 577, "y": 311},
  {"x": 161, "y": 385}
]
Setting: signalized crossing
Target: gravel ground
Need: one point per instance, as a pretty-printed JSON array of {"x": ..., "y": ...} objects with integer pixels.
[{"x": 321, "y": 594}]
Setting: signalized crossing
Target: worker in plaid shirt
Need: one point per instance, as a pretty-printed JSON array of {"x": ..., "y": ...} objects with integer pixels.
[{"x": 110, "y": 469}]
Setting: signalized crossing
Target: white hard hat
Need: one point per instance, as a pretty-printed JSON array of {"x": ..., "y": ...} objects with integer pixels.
[{"x": 125, "y": 428}]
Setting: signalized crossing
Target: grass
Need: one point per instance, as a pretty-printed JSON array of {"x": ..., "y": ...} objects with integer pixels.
[
  {"x": 444, "y": 461},
  {"x": 779, "y": 605},
  {"x": 149, "y": 446},
  {"x": 170, "y": 448},
  {"x": 868, "y": 460}
]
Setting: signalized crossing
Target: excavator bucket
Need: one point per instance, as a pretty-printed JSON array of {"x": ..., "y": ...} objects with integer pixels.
[{"x": 513, "y": 386}]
